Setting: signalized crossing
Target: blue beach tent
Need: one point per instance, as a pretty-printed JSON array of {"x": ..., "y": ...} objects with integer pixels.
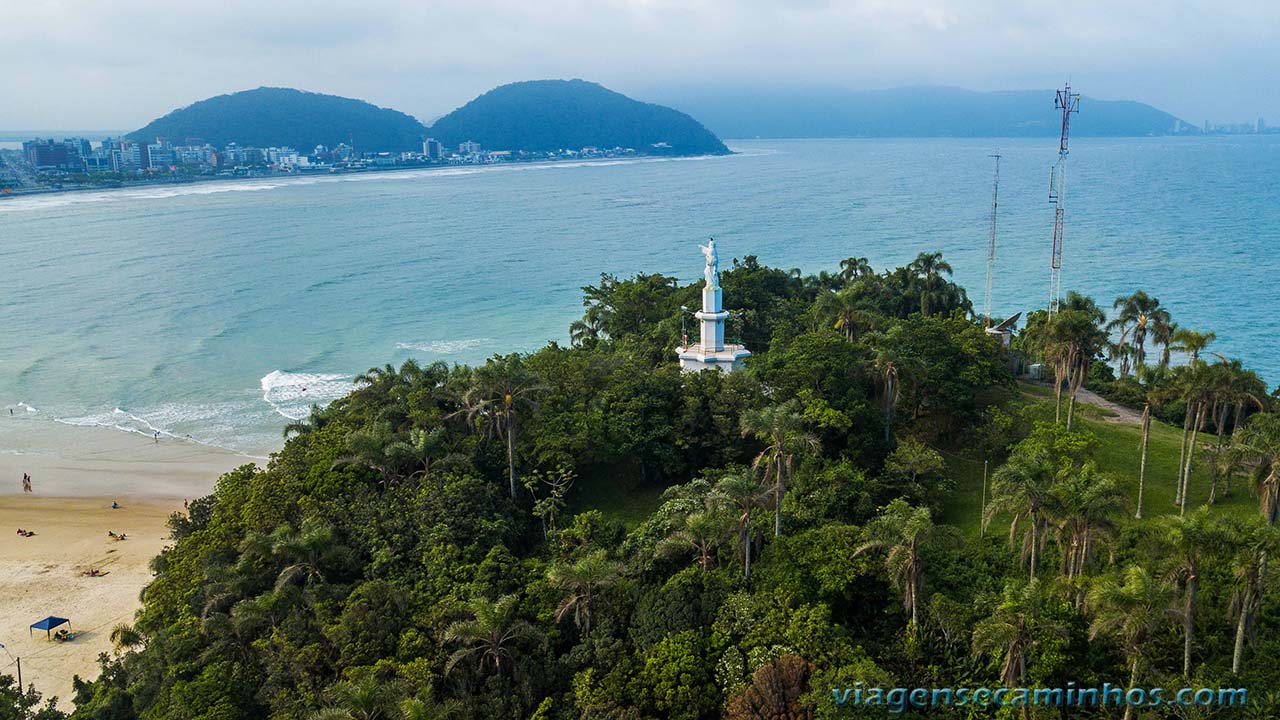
[{"x": 48, "y": 624}]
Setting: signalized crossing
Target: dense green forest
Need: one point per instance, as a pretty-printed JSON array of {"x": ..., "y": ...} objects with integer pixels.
[
  {"x": 268, "y": 117},
  {"x": 548, "y": 115},
  {"x": 585, "y": 533}
]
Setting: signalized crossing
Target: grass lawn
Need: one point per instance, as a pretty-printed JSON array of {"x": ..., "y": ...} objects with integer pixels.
[{"x": 1117, "y": 452}]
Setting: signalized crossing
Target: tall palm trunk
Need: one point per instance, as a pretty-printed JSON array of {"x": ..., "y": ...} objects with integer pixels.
[
  {"x": 1035, "y": 542},
  {"x": 1142, "y": 465},
  {"x": 511, "y": 457},
  {"x": 747, "y": 533},
  {"x": 777, "y": 499},
  {"x": 1057, "y": 406},
  {"x": 1237, "y": 655},
  {"x": 1220, "y": 418},
  {"x": 1182, "y": 455},
  {"x": 1191, "y": 453},
  {"x": 1187, "y": 623},
  {"x": 1133, "y": 682},
  {"x": 889, "y": 389}
]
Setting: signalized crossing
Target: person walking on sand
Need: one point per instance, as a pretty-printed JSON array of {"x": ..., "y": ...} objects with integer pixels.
[{"x": 157, "y": 436}]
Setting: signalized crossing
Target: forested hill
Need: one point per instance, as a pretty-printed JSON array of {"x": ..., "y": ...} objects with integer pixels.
[
  {"x": 544, "y": 115},
  {"x": 584, "y": 532},
  {"x": 909, "y": 112},
  {"x": 269, "y": 116},
  {"x": 536, "y": 116}
]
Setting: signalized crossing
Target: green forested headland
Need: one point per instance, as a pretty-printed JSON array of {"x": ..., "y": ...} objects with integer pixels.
[
  {"x": 535, "y": 116},
  {"x": 549, "y": 115},
  {"x": 584, "y": 532}
]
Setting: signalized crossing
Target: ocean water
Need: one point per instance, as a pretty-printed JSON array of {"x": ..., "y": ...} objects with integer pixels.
[{"x": 218, "y": 311}]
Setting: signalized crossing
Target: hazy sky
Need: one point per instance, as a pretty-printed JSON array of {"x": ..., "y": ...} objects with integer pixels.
[{"x": 82, "y": 64}]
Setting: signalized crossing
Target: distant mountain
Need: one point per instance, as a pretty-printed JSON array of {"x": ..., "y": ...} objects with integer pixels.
[
  {"x": 910, "y": 112},
  {"x": 285, "y": 117},
  {"x": 544, "y": 115},
  {"x": 540, "y": 115}
]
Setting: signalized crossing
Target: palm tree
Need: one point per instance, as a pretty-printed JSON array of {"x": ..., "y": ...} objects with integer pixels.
[
  {"x": 502, "y": 392},
  {"x": 1084, "y": 507},
  {"x": 698, "y": 519},
  {"x": 853, "y": 268},
  {"x": 1191, "y": 342},
  {"x": 1189, "y": 541},
  {"x": 781, "y": 428},
  {"x": 302, "y": 426},
  {"x": 1120, "y": 351},
  {"x": 1152, "y": 380},
  {"x": 1023, "y": 487},
  {"x": 365, "y": 699},
  {"x": 847, "y": 307},
  {"x": 1223, "y": 463},
  {"x": 902, "y": 531},
  {"x": 124, "y": 637},
  {"x": 590, "y": 327},
  {"x": 1132, "y": 610},
  {"x": 1141, "y": 311},
  {"x": 928, "y": 269},
  {"x": 744, "y": 493},
  {"x": 1194, "y": 385},
  {"x": 489, "y": 635},
  {"x": 1075, "y": 336},
  {"x": 374, "y": 447},
  {"x": 1011, "y": 631},
  {"x": 1257, "y": 541},
  {"x": 583, "y": 579},
  {"x": 300, "y": 551},
  {"x": 1162, "y": 332},
  {"x": 1234, "y": 388},
  {"x": 892, "y": 367},
  {"x": 418, "y": 709},
  {"x": 1259, "y": 442}
]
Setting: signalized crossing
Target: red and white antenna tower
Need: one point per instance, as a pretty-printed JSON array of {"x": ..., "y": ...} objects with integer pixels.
[
  {"x": 991, "y": 250},
  {"x": 1068, "y": 103}
]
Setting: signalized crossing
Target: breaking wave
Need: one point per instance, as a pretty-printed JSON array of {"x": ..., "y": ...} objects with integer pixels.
[{"x": 291, "y": 394}]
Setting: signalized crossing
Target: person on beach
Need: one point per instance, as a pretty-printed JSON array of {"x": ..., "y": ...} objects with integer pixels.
[{"x": 157, "y": 436}]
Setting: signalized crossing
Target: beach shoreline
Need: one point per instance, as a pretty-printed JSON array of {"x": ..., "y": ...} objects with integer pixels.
[
  {"x": 301, "y": 176},
  {"x": 78, "y": 473}
]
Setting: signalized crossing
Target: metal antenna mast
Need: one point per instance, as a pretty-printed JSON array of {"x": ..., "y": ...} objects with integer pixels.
[
  {"x": 991, "y": 251},
  {"x": 1068, "y": 103}
]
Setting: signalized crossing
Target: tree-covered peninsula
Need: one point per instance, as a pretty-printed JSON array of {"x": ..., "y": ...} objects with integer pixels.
[{"x": 585, "y": 533}]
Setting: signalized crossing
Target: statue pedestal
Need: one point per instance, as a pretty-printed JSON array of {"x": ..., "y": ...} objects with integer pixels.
[
  {"x": 711, "y": 350},
  {"x": 727, "y": 359}
]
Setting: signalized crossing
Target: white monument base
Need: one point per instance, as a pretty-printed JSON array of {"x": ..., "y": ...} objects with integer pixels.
[{"x": 693, "y": 358}]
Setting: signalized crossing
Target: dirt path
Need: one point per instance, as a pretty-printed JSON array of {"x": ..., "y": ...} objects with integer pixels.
[{"x": 1119, "y": 413}]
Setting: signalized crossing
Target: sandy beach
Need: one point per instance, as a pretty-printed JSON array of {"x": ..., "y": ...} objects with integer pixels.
[{"x": 77, "y": 474}]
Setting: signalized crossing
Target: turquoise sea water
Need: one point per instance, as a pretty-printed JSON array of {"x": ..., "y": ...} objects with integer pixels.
[{"x": 218, "y": 310}]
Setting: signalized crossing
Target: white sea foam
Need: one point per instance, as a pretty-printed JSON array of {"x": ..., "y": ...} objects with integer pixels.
[
  {"x": 291, "y": 394},
  {"x": 445, "y": 347},
  {"x": 27, "y": 407},
  {"x": 166, "y": 421}
]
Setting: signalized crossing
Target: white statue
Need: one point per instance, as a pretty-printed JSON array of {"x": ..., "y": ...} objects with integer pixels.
[{"x": 712, "y": 271}]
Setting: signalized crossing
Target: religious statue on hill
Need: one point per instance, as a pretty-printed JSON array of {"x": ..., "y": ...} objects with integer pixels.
[{"x": 712, "y": 271}]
